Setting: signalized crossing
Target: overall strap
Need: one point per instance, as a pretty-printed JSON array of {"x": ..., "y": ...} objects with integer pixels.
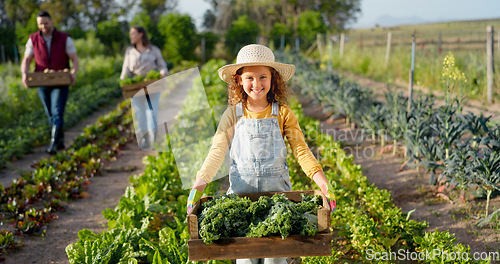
[
  {"x": 276, "y": 109},
  {"x": 239, "y": 110}
]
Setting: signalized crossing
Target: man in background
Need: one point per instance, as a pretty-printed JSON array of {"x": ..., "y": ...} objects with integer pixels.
[{"x": 51, "y": 50}]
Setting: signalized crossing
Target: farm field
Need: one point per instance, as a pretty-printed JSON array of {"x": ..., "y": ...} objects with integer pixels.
[
  {"x": 365, "y": 53},
  {"x": 409, "y": 191},
  {"x": 415, "y": 176}
]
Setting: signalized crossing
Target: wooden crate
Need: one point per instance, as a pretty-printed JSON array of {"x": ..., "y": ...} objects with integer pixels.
[
  {"x": 129, "y": 91},
  {"x": 38, "y": 79},
  {"x": 264, "y": 247}
]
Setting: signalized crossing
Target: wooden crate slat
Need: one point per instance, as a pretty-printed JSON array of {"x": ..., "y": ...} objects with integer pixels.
[
  {"x": 37, "y": 79},
  {"x": 264, "y": 247},
  {"x": 137, "y": 86},
  {"x": 129, "y": 91}
]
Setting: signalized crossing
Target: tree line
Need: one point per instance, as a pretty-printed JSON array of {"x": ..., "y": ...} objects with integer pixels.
[{"x": 235, "y": 22}]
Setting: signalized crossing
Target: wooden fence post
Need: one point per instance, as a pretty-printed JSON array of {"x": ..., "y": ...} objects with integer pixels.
[
  {"x": 490, "y": 72},
  {"x": 297, "y": 44},
  {"x": 360, "y": 41},
  {"x": 320, "y": 44},
  {"x": 412, "y": 70},
  {"x": 342, "y": 39},
  {"x": 439, "y": 42},
  {"x": 10, "y": 70},
  {"x": 3, "y": 54},
  {"x": 388, "y": 48},
  {"x": 16, "y": 54},
  {"x": 313, "y": 46},
  {"x": 330, "y": 53}
]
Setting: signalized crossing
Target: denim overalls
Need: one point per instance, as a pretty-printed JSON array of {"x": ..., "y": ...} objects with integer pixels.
[{"x": 258, "y": 161}]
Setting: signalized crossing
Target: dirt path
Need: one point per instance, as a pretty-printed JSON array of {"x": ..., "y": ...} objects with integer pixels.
[
  {"x": 15, "y": 168},
  {"x": 409, "y": 187},
  {"x": 105, "y": 192}
]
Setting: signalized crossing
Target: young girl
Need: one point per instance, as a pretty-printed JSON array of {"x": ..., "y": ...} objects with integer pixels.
[{"x": 254, "y": 127}]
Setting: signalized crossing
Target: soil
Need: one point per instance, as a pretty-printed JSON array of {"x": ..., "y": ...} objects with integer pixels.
[{"x": 408, "y": 187}]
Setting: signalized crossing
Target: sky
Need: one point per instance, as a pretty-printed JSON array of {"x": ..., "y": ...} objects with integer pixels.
[
  {"x": 194, "y": 8},
  {"x": 391, "y": 12},
  {"x": 424, "y": 11}
]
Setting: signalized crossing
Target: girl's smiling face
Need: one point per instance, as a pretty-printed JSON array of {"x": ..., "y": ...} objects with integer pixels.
[{"x": 256, "y": 82}]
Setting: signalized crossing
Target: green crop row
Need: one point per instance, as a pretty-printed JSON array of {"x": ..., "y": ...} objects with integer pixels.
[{"x": 29, "y": 202}]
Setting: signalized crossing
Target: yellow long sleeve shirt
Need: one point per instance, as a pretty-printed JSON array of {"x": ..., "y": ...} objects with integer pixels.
[{"x": 289, "y": 127}]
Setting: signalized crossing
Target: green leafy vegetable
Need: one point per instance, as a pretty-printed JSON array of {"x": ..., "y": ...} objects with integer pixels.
[
  {"x": 233, "y": 216},
  {"x": 151, "y": 75}
]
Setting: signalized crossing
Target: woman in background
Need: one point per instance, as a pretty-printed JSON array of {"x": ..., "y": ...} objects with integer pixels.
[{"x": 140, "y": 58}]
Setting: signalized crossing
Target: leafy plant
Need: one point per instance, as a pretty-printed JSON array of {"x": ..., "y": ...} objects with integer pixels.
[
  {"x": 151, "y": 75},
  {"x": 398, "y": 118},
  {"x": 430, "y": 155},
  {"x": 492, "y": 140},
  {"x": 418, "y": 125},
  {"x": 351, "y": 100},
  {"x": 487, "y": 171},
  {"x": 8, "y": 242},
  {"x": 476, "y": 125},
  {"x": 442, "y": 242},
  {"x": 447, "y": 128},
  {"x": 374, "y": 119},
  {"x": 458, "y": 166}
]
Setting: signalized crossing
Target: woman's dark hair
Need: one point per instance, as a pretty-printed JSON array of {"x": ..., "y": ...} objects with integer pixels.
[
  {"x": 145, "y": 39},
  {"x": 43, "y": 14}
]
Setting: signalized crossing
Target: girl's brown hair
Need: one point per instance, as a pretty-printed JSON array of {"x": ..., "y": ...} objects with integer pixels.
[{"x": 279, "y": 91}]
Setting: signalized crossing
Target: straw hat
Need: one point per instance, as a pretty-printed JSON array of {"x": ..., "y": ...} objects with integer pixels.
[{"x": 256, "y": 55}]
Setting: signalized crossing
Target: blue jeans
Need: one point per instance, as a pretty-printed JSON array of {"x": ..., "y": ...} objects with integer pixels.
[
  {"x": 145, "y": 118},
  {"x": 54, "y": 102}
]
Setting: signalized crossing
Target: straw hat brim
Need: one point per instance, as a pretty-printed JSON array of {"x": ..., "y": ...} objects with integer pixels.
[{"x": 286, "y": 71}]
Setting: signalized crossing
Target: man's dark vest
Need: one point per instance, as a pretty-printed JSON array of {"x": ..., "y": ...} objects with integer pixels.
[{"x": 58, "y": 59}]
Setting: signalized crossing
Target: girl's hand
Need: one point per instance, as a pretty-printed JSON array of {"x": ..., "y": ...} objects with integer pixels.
[
  {"x": 194, "y": 197},
  {"x": 327, "y": 190},
  {"x": 195, "y": 194}
]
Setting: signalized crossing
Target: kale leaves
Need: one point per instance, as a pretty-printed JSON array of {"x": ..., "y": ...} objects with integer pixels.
[{"x": 233, "y": 216}]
